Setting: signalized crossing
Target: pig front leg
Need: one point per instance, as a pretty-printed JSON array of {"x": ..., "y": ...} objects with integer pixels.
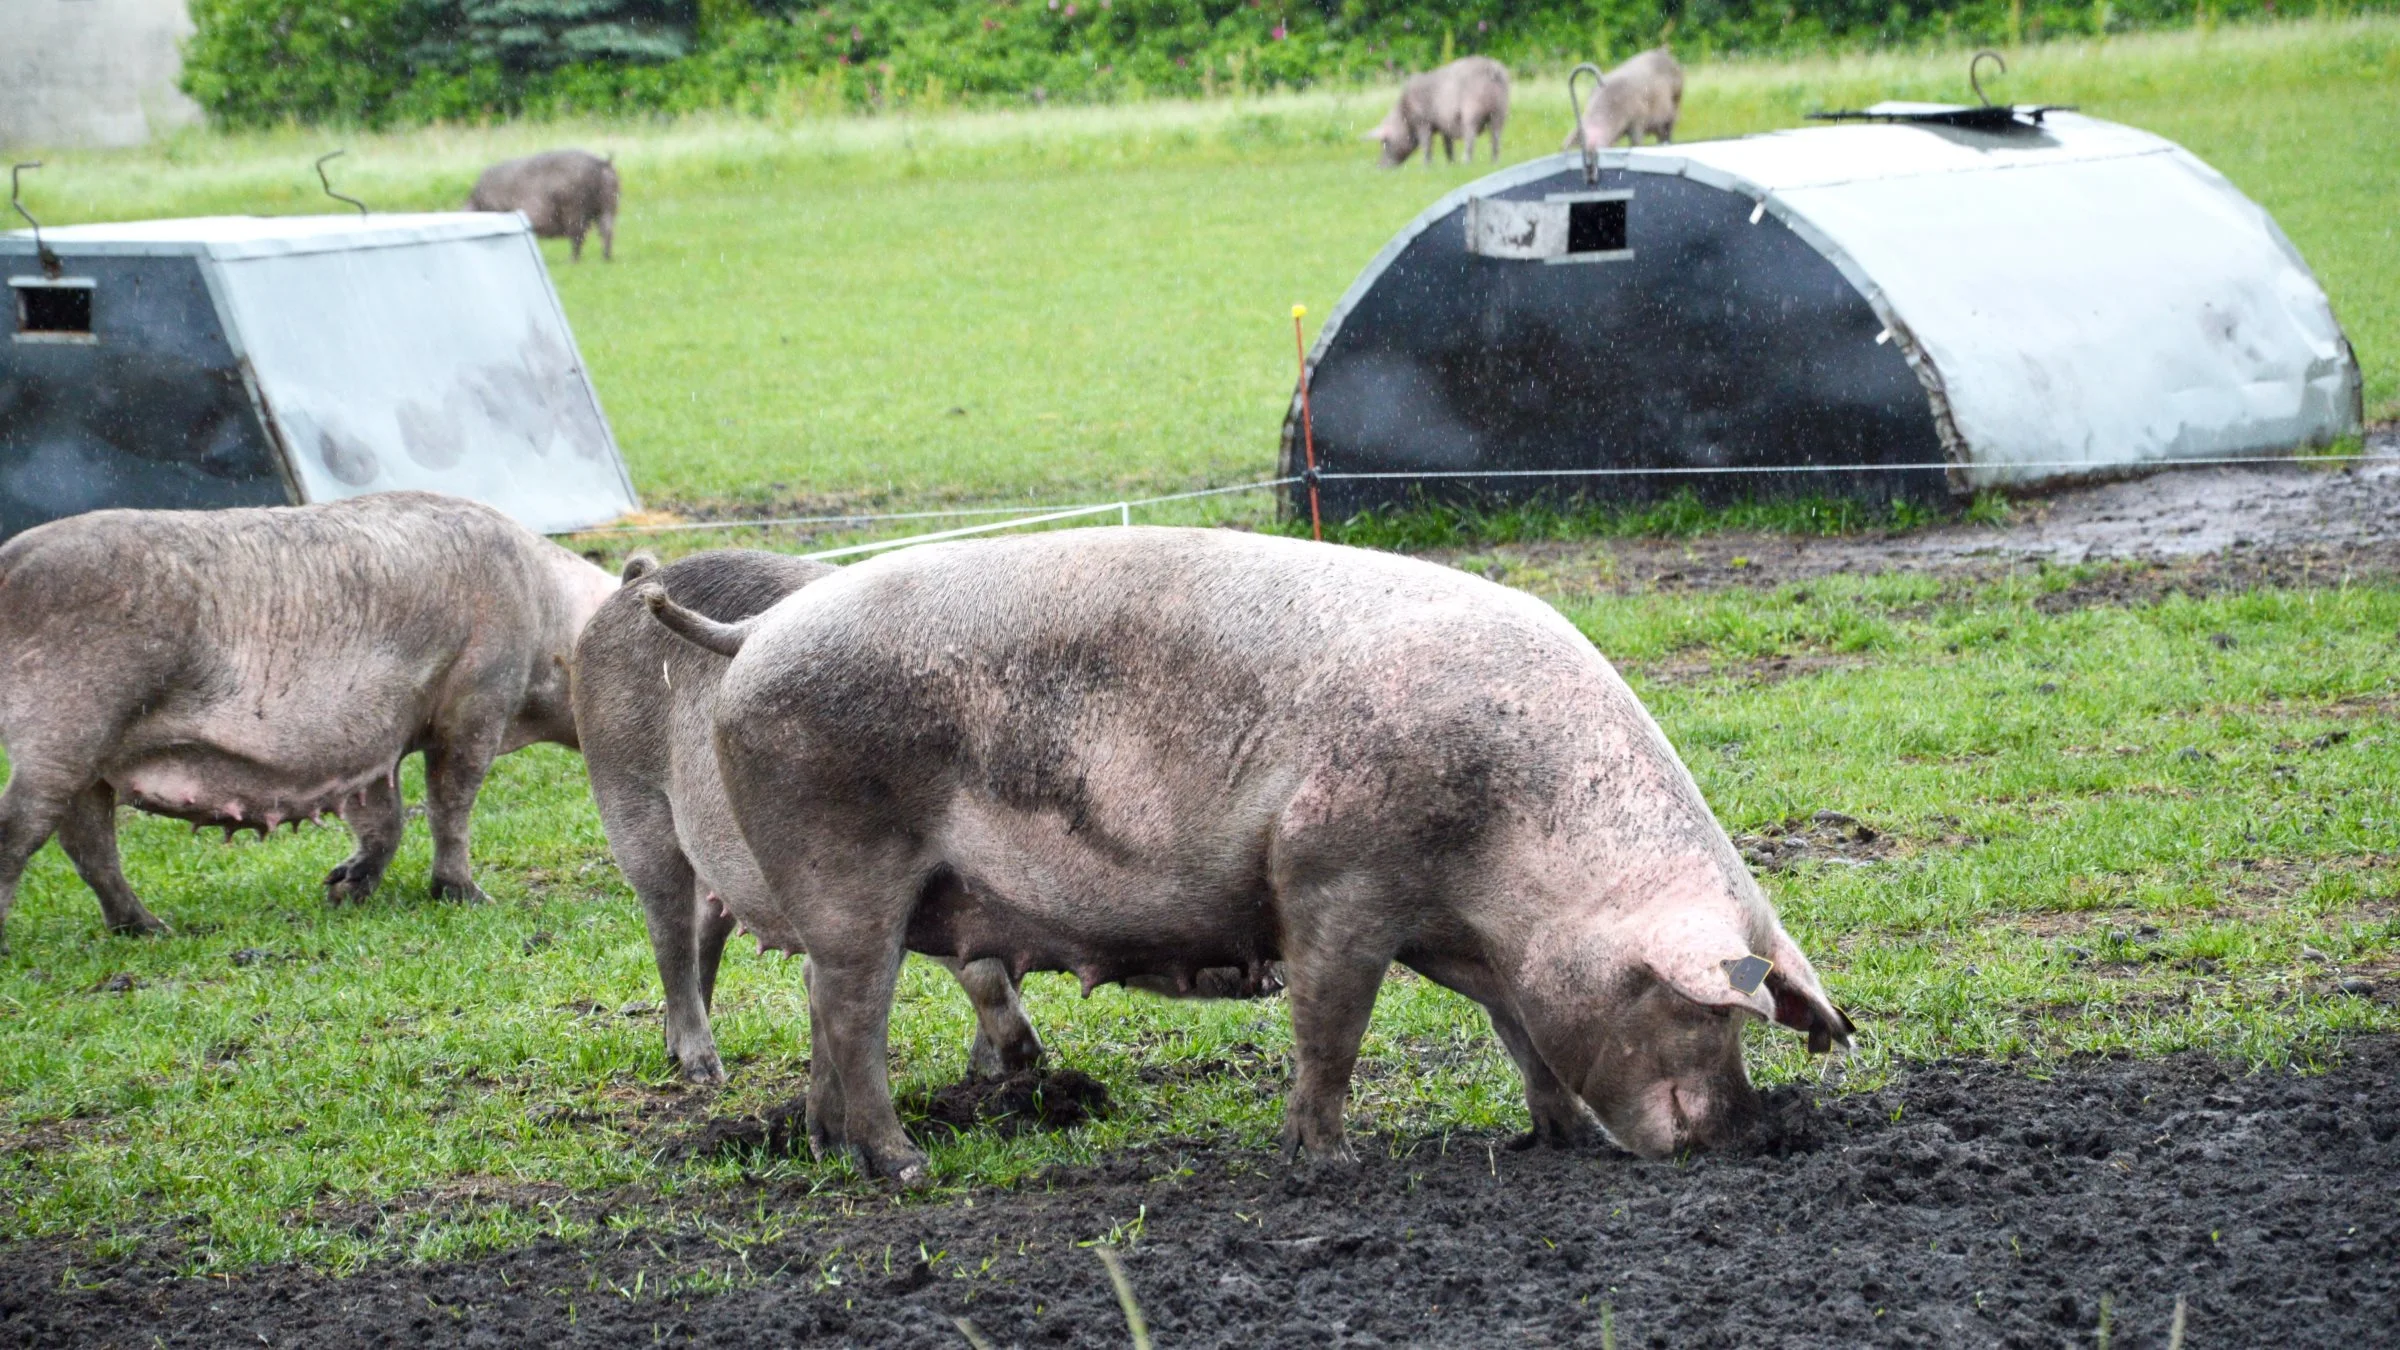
[
  {"x": 1331, "y": 984},
  {"x": 373, "y": 815},
  {"x": 1004, "y": 1040},
  {"x": 88, "y": 834},
  {"x": 1560, "y": 1119}
]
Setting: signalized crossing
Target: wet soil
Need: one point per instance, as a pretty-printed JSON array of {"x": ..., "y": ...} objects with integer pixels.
[
  {"x": 1964, "y": 1204},
  {"x": 2194, "y": 530},
  {"x": 1030, "y": 1099}
]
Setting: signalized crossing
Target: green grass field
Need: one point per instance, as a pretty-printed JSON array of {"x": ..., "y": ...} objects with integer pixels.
[
  {"x": 1104, "y": 293},
  {"x": 2134, "y": 826}
]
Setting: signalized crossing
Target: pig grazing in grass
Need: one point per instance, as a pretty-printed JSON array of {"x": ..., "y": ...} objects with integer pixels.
[
  {"x": 1456, "y": 103},
  {"x": 644, "y": 705},
  {"x": 253, "y": 668},
  {"x": 563, "y": 193},
  {"x": 1642, "y": 97},
  {"x": 1142, "y": 753}
]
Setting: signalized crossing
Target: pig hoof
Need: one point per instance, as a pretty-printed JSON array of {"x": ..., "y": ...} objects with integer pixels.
[
  {"x": 144, "y": 924},
  {"x": 350, "y": 881},
  {"x": 465, "y": 892},
  {"x": 709, "y": 1072}
]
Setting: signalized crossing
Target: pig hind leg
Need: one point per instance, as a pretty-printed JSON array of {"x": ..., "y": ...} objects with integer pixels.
[
  {"x": 88, "y": 834},
  {"x": 1333, "y": 967},
  {"x": 373, "y": 815},
  {"x": 30, "y": 812},
  {"x": 850, "y": 989},
  {"x": 687, "y": 934},
  {"x": 1559, "y": 1117},
  {"x": 1004, "y": 1039},
  {"x": 608, "y": 235},
  {"x": 454, "y": 773},
  {"x": 50, "y": 765}
]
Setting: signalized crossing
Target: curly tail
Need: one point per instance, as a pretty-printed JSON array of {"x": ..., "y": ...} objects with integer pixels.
[{"x": 725, "y": 639}]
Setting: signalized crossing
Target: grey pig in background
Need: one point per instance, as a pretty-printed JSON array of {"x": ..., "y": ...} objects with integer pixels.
[
  {"x": 563, "y": 193},
  {"x": 1146, "y": 752},
  {"x": 1456, "y": 102},
  {"x": 1642, "y": 97},
  {"x": 644, "y": 705},
  {"x": 253, "y": 668}
]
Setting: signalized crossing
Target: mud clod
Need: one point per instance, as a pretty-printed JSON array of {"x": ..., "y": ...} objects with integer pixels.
[
  {"x": 1026, "y": 1100},
  {"x": 1827, "y": 836}
]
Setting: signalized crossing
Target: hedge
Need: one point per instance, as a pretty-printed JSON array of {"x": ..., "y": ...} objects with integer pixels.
[{"x": 384, "y": 62}]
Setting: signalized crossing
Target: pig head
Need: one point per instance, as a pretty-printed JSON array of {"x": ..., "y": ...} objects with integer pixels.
[{"x": 1639, "y": 1011}]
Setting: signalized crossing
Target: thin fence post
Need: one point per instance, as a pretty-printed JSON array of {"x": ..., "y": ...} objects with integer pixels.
[{"x": 1308, "y": 428}]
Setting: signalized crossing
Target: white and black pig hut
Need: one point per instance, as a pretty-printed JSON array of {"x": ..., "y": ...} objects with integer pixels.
[
  {"x": 254, "y": 361},
  {"x": 2048, "y": 297}
]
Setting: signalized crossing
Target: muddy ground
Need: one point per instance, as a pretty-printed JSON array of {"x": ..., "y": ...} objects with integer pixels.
[
  {"x": 2192, "y": 529},
  {"x": 1965, "y": 1204}
]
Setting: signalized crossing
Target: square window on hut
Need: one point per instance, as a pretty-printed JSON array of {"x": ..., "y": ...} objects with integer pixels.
[
  {"x": 1596, "y": 226},
  {"x": 53, "y": 309}
]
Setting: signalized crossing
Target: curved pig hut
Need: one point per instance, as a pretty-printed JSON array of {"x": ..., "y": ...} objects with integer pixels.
[
  {"x": 289, "y": 360},
  {"x": 2047, "y": 301}
]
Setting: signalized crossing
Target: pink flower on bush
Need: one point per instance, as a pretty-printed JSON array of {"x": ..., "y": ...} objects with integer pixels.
[
  {"x": 1070, "y": 9},
  {"x": 1280, "y": 35}
]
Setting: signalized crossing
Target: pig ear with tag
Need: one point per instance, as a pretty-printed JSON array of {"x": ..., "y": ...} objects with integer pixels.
[
  {"x": 1800, "y": 1001},
  {"x": 1706, "y": 960}
]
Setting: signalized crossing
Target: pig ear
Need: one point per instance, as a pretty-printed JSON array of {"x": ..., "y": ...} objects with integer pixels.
[
  {"x": 1800, "y": 1001},
  {"x": 1705, "y": 959}
]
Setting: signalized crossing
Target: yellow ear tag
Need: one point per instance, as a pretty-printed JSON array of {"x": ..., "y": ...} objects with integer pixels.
[{"x": 1748, "y": 972}]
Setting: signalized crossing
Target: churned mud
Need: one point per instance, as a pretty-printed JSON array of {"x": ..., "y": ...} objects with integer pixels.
[
  {"x": 2195, "y": 529},
  {"x": 1964, "y": 1204}
]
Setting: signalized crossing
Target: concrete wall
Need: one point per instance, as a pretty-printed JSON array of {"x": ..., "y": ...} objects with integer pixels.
[{"x": 90, "y": 72}]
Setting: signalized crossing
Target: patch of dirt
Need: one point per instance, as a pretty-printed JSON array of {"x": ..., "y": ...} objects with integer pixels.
[
  {"x": 1762, "y": 671},
  {"x": 1831, "y": 837},
  {"x": 2202, "y": 531},
  {"x": 1031, "y": 1099},
  {"x": 1964, "y": 1204}
]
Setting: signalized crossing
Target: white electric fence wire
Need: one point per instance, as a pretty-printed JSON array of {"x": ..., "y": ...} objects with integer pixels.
[{"x": 1125, "y": 509}]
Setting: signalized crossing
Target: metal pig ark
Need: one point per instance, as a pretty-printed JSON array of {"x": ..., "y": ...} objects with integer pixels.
[
  {"x": 249, "y": 361},
  {"x": 2037, "y": 298}
]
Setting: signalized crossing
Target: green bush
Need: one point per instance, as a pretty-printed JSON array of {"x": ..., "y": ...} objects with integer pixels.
[{"x": 402, "y": 61}]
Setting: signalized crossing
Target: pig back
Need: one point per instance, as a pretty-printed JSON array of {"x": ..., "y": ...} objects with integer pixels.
[
  {"x": 553, "y": 189},
  {"x": 1171, "y": 689},
  {"x": 342, "y": 619},
  {"x": 638, "y": 687}
]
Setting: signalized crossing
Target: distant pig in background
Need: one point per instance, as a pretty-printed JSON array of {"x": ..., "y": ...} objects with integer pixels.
[
  {"x": 1456, "y": 103},
  {"x": 563, "y": 193},
  {"x": 252, "y": 668},
  {"x": 1642, "y": 97}
]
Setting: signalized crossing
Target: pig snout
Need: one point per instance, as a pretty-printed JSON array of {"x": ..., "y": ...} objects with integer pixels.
[{"x": 1686, "y": 1115}]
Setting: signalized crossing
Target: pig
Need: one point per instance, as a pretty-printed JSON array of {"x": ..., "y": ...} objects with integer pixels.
[
  {"x": 1456, "y": 102},
  {"x": 1640, "y": 98},
  {"x": 1142, "y": 752},
  {"x": 259, "y": 667},
  {"x": 643, "y": 704},
  {"x": 563, "y": 193}
]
